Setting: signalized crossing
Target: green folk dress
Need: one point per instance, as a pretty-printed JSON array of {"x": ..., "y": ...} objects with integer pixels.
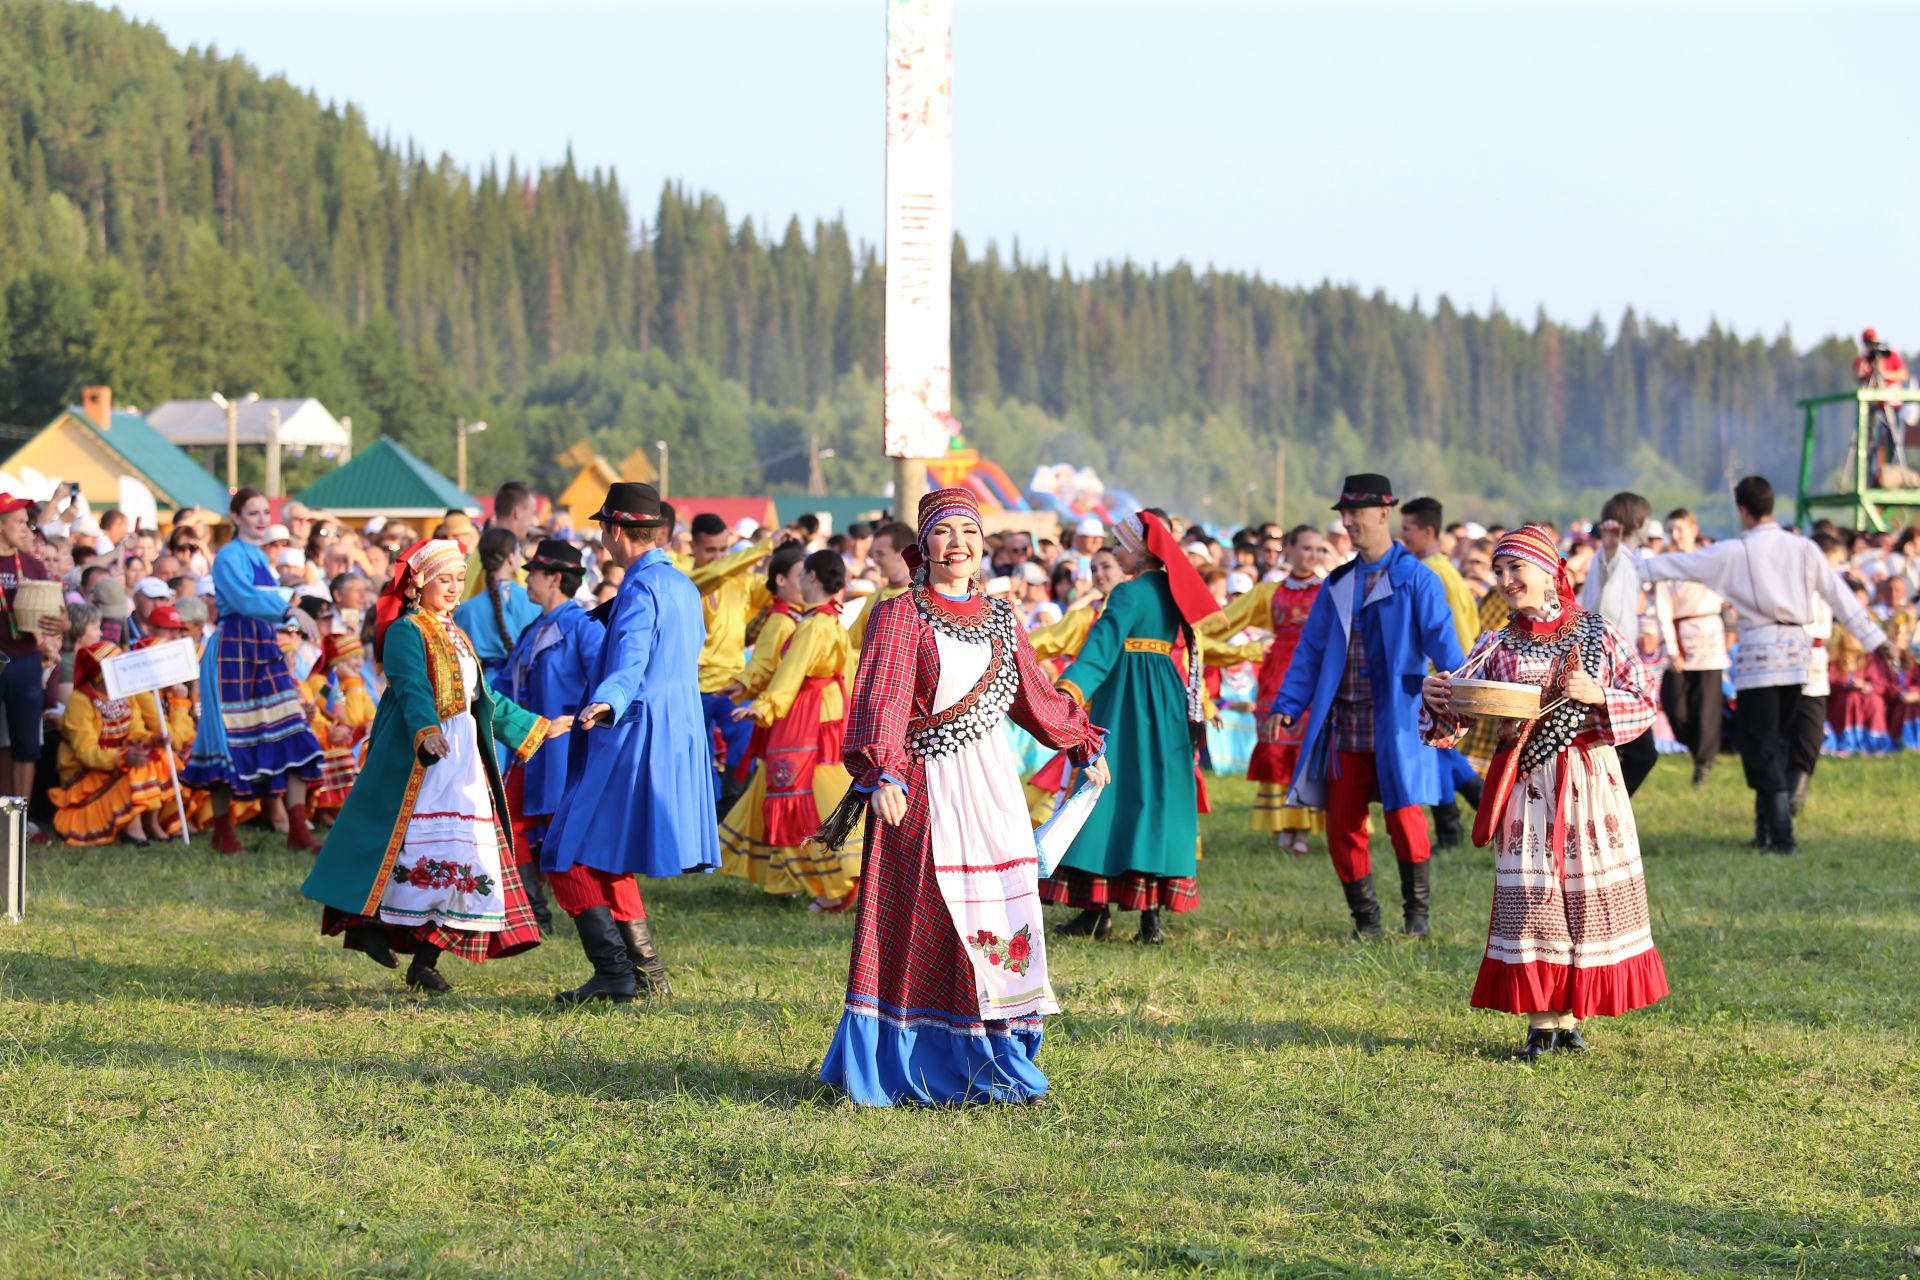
[{"x": 1140, "y": 846}]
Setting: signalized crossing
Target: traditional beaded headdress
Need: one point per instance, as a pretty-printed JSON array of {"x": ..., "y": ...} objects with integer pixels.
[{"x": 1535, "y": 545}]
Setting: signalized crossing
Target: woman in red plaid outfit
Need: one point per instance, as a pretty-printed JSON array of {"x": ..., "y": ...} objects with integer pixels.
[
  {"x": 1570, "y": 935},
  {"x": 948, "y": 980}
]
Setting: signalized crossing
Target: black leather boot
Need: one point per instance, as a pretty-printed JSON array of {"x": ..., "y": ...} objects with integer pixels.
[
  {"x": 1539, "y": 1044},
  {"x": 1094, "y": 922},
  {"x": 650, "y": 974},
  {"x": 1448, "y": 833},
  {"x": 612, "y": 969},
  {"x": 1780, "y": 806},
  {"x": 536, "y": 895},
  {"x": 370, "y": 940},
  {"x": 1416, "y": 893},
  {"x": 424, "y": 973},
  {"x": 1150, "y": 932},
  {"x": 1569, "y": 1040},
  {"x": 1798, "y": 785},
  {"x": 1762, "y": 824},
  {"x": 1364, "y": 906}
]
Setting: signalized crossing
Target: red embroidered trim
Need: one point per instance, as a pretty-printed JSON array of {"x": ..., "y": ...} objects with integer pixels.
[{"x": 970, "y": 613}]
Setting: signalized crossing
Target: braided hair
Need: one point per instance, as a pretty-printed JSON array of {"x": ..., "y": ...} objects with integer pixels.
[{"x": 498, "y": 548}]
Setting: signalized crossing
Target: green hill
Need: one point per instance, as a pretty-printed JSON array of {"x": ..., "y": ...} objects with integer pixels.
[{"x": 174, "y": 223}]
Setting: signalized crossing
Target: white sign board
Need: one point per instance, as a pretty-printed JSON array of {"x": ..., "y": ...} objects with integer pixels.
[
  {"x": 919, "y": 284},
  {"x": 154, "y": 667}
]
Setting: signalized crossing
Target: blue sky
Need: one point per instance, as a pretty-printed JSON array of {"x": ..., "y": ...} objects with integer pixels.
[{"x": 1754, "y": 163}]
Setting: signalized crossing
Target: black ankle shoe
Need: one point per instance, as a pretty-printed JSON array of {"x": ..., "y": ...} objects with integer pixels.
[
  {"x": 1539, "y": 1045},
  {"x": 427, "y": 978},
  {"x": 371, "y": 941},
  {"x": 1095, "y": 923},
  {"x": 1150, "y": 932},
  {"x": 1569, "y": 1040}
]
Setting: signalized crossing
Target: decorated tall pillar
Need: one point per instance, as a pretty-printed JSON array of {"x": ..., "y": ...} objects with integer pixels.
[{"x": 919, "y": 374}]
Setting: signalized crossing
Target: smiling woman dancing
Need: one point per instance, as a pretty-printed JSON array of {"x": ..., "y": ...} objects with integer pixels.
[
  {"x": 948, "y": 981},
  {"x": 1570, "y": 935}
]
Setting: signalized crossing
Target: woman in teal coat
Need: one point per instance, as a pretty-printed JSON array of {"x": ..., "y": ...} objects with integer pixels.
[
  {"x": 421, "y": 859},
  {"x": 1137, "y": 677}
]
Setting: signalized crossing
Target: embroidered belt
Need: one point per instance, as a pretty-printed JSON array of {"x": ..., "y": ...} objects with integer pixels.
[{"x": 1161, "y": 647}]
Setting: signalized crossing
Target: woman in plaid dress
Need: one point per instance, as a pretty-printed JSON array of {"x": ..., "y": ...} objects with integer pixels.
[
  {"x": 948, "y": 980},
  {"x": 254, "y": 742},
  {"x": 1570, "y": 935}
]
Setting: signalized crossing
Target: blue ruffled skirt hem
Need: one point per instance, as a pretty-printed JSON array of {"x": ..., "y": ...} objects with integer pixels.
[{"x": 880, "y": 1056}]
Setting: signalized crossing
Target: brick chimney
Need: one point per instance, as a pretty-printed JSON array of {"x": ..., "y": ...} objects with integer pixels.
[{"x": 97, "y": 404}]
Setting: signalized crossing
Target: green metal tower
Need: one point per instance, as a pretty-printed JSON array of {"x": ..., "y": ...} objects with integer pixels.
[{"x": 1869, "y": 505}]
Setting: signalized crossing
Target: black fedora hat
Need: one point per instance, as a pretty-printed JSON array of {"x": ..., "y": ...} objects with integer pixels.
[
  {"x": 1365, "y": 490},
  {"x": 637, "y": 506},
  {"x": 555, "y": 555}
]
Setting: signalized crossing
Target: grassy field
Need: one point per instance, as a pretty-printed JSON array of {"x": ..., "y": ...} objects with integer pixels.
[{"x": 193, "y": 1083}]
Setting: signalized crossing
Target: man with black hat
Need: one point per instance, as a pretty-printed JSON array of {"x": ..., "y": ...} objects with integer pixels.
[
  {"x": 1376, "y": 624},
  {"x": 549, "y": 671},
  {"x": 639, "y": 797}
]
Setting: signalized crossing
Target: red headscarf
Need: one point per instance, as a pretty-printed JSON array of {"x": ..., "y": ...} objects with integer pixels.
[
  {"x": 86, "y": 665},
  {"x": 1144, "y": 531}
]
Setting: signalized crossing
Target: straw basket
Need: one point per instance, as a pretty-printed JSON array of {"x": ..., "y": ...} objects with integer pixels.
[
  {"x": 1495, "y": 698},
  {"x": 36, "y": 600}
]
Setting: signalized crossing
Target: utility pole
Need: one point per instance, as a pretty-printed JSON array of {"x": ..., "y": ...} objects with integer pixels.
[
  {"x": 462, "y": 430},
  {"x": 273, "y": 452},
  {"x": 1280, "y": 482},
  {"x": 661, "y": 445}
]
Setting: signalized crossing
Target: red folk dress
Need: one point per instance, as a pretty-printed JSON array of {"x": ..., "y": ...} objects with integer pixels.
[
  {"x": 1570, "y": 931},
  {"x": 913, "y": 1028},
  {"x": 1272, "y": 762}
]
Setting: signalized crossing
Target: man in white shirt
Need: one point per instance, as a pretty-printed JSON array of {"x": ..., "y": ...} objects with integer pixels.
[
  {"x": 1771, "y": 577},
  {"x": 1611, "y": 589},
  {"x": 1696, "y": 639}
]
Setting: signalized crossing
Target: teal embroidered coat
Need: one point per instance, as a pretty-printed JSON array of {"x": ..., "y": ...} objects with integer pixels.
[
  {"x": 423, "y": 689},
  {"x": 1147, "y": 819}
]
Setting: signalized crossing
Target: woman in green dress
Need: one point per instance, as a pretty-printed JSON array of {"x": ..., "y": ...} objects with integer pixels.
[
  {"x": 421, "y": 858},
  {"x": 1136, "y": 676}
]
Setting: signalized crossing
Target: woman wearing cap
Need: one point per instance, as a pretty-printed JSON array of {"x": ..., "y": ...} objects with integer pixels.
[
  {"x": 948, "y": 980},
  {"x": 1570, "y": 936},
  {"x": 421, "y": 859},
  {"x": 253, "y": 741},
  {"x": 1140, "y": 847}
]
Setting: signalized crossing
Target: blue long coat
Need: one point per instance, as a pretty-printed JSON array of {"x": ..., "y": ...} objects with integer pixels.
[
  {"x": 641, "y": 798},
  {"x": 1405, "y": 624},
  {"x": 550, "y": 672}
]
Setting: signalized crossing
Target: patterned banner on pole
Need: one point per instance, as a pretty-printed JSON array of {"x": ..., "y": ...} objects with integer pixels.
[{"x": 919, "y": 376}]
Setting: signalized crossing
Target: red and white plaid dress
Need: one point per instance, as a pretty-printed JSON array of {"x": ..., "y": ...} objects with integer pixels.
[
  {"x": 913, "y": 1027},
  {"x": 1570, "y": 930}
]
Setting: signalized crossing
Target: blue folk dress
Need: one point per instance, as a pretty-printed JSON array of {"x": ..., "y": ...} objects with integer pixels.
[
  {"x": 551, "y": 672},
  {"x": 253, "y": 729}
]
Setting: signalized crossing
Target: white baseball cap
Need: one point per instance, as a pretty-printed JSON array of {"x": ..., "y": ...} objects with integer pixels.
[
  {"x": 747, "y": 527},
  {"x": 1475, "y": 529},
  {"x": 1032, "y": 573},
  {"x": 1335, "y": 527},
  {"x": 1239, "y": 582},
  {"x": 291, "y": 559},
  {"x": 1090, "y": 527},
  {"x": 153, "y": 589},
  {"x": 279, "y": 533}
]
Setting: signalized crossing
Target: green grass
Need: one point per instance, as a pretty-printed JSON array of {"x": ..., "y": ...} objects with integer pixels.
[{"x": 193, "y": 1083}]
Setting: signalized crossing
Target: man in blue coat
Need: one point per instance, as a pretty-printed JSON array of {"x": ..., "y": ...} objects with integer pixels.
[
  {"x": 640, "y": 798},
  {"x": 550, "y": 670},
  {"x": 1377, "y": 623}
]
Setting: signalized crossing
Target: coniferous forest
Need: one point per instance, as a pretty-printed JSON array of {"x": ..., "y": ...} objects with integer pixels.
[{"x": 173, "y": 223}]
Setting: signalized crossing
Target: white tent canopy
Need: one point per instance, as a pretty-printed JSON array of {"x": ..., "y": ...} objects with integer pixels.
[{"x": 304, "y": 424}]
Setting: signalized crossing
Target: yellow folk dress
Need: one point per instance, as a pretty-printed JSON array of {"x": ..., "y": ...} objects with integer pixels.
[{"x": 808, "y": 681}]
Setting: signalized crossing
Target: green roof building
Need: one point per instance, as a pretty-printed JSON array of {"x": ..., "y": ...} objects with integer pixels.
[{"x": 386, "y": 479}]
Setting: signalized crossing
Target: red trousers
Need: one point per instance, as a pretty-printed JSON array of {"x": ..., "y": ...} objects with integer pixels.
[
  {"x": 579, "y": 889},
  {"x": 1354, "y": 784}
]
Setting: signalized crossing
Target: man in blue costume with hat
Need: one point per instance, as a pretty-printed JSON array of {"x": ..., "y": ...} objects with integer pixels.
[
  {"x": 639, "y": 799},
  {"x": 550, "y": 672},
  {"x": 1357, "y": 673}
]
